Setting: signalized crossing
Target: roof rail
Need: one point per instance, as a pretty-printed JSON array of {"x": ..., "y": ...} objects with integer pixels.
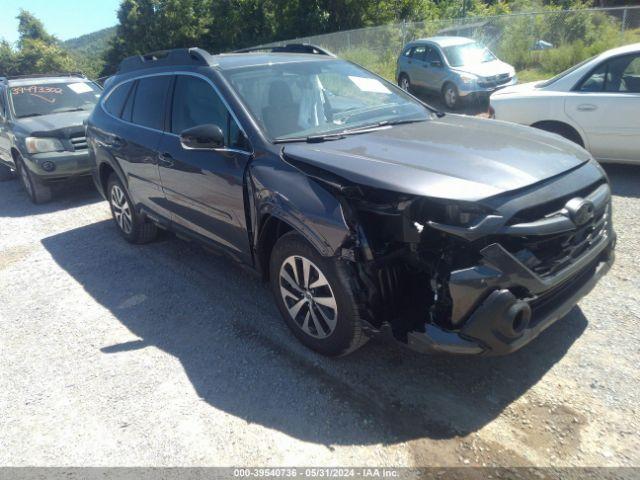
[
  {"x": 42, "y": 75},
  {"x": 164, "y": 58},
  {"x": 289, "y": 48}
]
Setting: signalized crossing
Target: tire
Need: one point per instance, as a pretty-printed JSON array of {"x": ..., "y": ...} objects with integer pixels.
[
  {"x": 131, "y": 225},
  {"x": 450, "y": 96},
  {"x": 37, "y": 192},
  {"x": 329, "y": 331},
  {"x": 404, "y": 82},
  {"x": 6, "y": 173}
]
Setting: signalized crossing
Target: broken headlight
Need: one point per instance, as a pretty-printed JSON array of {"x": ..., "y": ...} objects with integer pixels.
[{"x": 464, "y": 214}]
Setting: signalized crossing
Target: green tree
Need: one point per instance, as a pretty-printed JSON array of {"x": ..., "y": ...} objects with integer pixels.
[{"x": 37, "y": 50}]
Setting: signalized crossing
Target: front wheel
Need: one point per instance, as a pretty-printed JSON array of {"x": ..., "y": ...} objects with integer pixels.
[
  {"x": 37, "y": 192},
  {"x": 314, "y": 297},
  {"x": 451, "y": 96},
  {"x": 131, "y": 225}
]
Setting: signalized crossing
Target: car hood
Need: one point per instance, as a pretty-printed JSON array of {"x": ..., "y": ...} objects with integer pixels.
[
  {"x": 521, "y": 89},
  {"x": 53, "y": 125},
  {"x": 488, "y": 69},
  {"x": 454, "y": 157}
]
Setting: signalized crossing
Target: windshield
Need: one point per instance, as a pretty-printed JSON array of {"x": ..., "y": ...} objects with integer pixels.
[
  {"x": 546, "y": 83},
  {"x": 304, "y": 99},
  {"x": 47, "y": 98},
  {"x": 468, "y": 54}
]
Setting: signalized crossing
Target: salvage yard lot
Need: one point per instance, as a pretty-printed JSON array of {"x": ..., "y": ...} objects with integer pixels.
[{"x": 156, "y": 355}]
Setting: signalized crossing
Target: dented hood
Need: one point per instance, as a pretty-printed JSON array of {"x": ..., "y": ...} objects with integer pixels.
[{"x": 454, "y": 157}]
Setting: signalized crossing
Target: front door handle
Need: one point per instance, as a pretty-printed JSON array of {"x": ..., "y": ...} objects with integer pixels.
[
  {"x": 165, "y": 160},
  {"x": 587, "y": 107}
]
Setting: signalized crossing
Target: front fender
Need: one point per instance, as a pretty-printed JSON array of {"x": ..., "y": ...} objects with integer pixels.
[{"x": 304, "y": 204}]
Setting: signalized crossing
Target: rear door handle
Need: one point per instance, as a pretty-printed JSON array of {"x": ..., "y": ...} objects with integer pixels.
[
  {"x": 165, "y": 160},
  {"x": 587, "y": 107}
]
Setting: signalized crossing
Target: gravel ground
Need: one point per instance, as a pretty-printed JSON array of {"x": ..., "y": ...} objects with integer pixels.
[{"x": 165, "y": 355}]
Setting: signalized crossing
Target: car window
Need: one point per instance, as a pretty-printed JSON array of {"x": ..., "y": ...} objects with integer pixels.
[
  {"x": 195, "y": 102},
  {"x": 128, "y": 107},
  {"x": 3, "y": 110},
  {"x": 418, "y": 53},
  {"x": 618, "y": 75},
  {"x": 115, "y": 102},
  {"x": 631, "y": 76},
  {"x": 148, "y": 104},
  {"x": 432, "y": 55},
  {"x": 46, "y": 98},
  {"x": 596, "y": 81},
  {"x": 468, "y": 54}
]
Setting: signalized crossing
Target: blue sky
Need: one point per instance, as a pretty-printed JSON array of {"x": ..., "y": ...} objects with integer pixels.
[{"x": 64, "y": 18}]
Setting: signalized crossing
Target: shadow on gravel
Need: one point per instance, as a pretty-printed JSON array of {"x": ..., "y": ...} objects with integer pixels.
[
  {"x": 14, "y": 201},
  {"x": 220, "y": 322},
  {"x": 625, "y": 179}
]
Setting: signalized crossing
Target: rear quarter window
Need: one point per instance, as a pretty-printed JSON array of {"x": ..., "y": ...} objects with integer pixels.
[{"x": 115, "y": 102}]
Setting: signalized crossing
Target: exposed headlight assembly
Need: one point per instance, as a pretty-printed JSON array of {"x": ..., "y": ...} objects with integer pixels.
[
  {"x": 43, "y": 145},
  {"x": 464, "y": 214}
]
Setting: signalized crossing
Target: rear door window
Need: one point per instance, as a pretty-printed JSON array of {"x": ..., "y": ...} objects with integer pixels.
[
  {"x": 419, "y": 53},
  {"x": 149, "y": 101}
]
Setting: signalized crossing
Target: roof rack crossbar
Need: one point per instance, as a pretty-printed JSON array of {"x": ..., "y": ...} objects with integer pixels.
[
  {"x": 5, "y": 78},
  {"x": 289, "y": 48},
  {"x": 165, "y": 58}
]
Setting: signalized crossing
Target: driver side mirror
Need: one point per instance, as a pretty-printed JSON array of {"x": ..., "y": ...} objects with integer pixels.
[
  {"x": 202, "y": 137},
  {"x": 436, "y": 63}
]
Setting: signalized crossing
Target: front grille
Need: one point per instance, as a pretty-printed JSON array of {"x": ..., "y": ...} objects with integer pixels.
[
  {"x": 546, "y": 255},
  {"x": 79, "y": 143},
  {"x": 495, "y": 81}
]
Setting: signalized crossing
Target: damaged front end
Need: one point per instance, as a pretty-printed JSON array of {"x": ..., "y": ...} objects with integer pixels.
[{"x": 475, "y": 277}]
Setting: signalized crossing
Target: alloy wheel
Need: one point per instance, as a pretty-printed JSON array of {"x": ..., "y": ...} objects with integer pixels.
[
  {"x": 121, "y": 209},
  {"x": 308, "y": 297},
  {"x": 404, "y": 84}
]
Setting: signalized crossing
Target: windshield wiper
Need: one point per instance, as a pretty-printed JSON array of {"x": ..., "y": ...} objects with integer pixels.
[
  {"x": 344, "y": 133},
  {"x": 70, "y": 110},
  {"x": 311, "y": 138}
]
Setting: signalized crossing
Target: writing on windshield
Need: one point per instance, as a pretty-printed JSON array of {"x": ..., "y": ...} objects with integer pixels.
[{"x": 47, "y": 99}]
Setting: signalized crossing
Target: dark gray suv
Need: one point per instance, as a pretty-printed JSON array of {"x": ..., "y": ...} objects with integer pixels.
[
  {"x": 42, "y": 134},
  {"x": 370, "y": 213}
]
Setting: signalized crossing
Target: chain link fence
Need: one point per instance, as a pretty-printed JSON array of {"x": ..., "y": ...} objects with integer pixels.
[{"x": 537, "y": 44}]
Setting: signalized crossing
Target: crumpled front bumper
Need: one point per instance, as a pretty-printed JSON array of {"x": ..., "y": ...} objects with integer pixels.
[{"x": 503, "y": 320}]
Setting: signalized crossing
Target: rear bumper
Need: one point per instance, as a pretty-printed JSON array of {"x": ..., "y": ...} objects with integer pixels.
[
  {"x": 504, "y": 320},
  {"x": 55, "y": 167}
]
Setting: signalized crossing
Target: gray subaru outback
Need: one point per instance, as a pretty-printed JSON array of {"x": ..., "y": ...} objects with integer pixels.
[{"x": 42, "y": 135}]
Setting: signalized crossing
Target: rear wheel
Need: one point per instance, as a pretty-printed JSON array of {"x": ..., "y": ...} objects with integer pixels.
[
  {"x": 131, "y": 225},
  {"x": 404, "y": 82},
  {"x": 37, "y": 192},
  {"x": 314, "y": 297}
]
